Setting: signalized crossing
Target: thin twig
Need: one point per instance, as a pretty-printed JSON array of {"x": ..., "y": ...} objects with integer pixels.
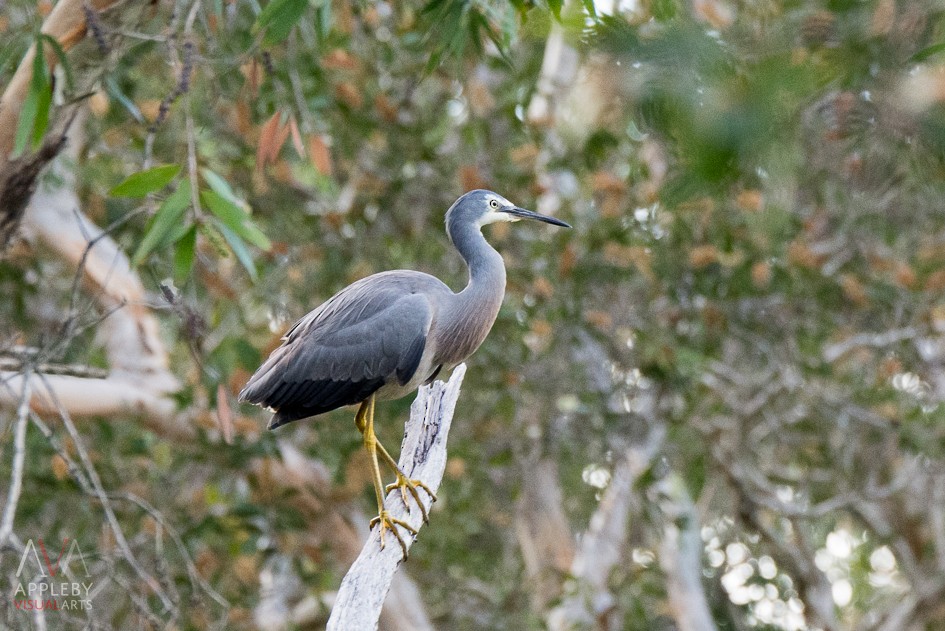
[
  {"x": 19, "y": 458},
  {"x": 103, "y": 497}
]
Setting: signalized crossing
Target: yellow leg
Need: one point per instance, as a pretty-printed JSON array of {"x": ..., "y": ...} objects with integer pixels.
[
  {"x": 364, "y": 420},
  {"x": 406, "y": 484}
]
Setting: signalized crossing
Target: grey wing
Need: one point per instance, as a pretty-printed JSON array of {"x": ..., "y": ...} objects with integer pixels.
[{"x": 370, "y": 333}]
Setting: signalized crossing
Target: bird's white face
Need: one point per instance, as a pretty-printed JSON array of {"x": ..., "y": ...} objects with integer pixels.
[{"x": 492, "y": 215}]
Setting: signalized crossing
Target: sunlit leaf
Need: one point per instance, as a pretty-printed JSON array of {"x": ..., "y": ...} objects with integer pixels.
[{"x": 144, "y": 182}]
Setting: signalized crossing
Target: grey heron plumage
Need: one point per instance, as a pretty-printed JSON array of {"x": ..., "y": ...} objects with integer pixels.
[{"x": 385, "y": 335}]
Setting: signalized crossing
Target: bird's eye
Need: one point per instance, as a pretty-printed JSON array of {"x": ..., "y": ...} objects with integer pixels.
[{"x": 493, "y": 203}]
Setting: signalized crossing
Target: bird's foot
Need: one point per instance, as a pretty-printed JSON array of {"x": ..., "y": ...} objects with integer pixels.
[
  {"x": 410, "y": 485},
  {"x": 390, "y": 523}
]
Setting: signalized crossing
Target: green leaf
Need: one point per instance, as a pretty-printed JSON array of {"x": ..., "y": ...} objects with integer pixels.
[
  {"x": 184, "y": 255},
  {"x": 24, "y": 126},
  {"x": 113, "y": 89},
  {"x": 221, "y": 186},
  {"x": 278, "y": 18},
  {"x": 144, "y": 182},
  {"x": 42, "y": 86},
  {"x": 165, "y": 219},
  {"x": 43, "y": 103},
  {"x": 63, "y": 59},
  {"x": 555, "y": 6},
  {"x": 239, "y": 249},
  {"x": 34, "y": 114},
  {"x": 214, "y": 238},
  {"x": 235, "y": 218},
  {"x": 927, "y": 52}
]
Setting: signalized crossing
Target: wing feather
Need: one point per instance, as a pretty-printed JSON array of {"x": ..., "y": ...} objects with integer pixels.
[{"x": 368, "y": 334}]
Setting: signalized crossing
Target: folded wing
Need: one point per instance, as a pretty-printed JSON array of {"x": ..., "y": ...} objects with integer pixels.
[{"x": 369, "y": 334}]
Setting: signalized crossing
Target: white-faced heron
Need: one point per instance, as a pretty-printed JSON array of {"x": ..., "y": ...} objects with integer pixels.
[{"x": 384, "y": 336}]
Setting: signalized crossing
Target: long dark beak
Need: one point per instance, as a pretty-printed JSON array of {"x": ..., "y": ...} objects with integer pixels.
[{"x": 515, "y": 211}]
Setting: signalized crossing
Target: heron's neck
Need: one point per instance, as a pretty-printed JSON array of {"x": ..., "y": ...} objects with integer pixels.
[
  {"x": 464, "y": 324},
  {"x": 486, "y": 268}
]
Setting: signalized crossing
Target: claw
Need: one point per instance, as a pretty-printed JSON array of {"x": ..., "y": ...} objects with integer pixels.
[
  {"x": 408, "y": 485},
  {"x": 391, "y": 523}
]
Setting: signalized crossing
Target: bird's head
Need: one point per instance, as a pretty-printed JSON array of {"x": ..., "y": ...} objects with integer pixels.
[{"x": 481, "y": 207}]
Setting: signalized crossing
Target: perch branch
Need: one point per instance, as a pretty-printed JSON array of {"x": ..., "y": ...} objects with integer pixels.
[
  {"x": 307, "y": 485},
  {"x": 422, "y": 456}
]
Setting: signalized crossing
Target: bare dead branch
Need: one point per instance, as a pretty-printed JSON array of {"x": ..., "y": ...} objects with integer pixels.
[
  {"x": 544, "y": 536},
  {"x": 423, "y": 456},
  {"x": 601, "y": 545},
  {"x": 19, "y": 458},
  {"x": 110, "y": 397},
  {"x": 681, "y": 559}
]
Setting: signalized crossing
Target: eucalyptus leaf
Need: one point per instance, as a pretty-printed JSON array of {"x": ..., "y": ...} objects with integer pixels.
[
  {"x": 235, "y": 218},
  {"x": 144, "y": 182},
  {"x": 164, "y": 221},
  {"x": 239, "y": 249}
]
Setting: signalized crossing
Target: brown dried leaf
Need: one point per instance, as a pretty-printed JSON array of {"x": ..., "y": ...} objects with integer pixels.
[
  {"x": 296, "y": 137},
  {"x": 801, "y": 255},
  {"x": 59, "y": 467},
  {"x": 385, "y": 108},
  {"x": 761, "y": 274},
  {"x": 853, "y": 289},
  {"x": 471, "y": 178},
  {"x": 599, "y": 319},
  {"x": 252, "y": 72},
  {"x": 349, "y": 94},
  {"x": 281, "y": 137},
  {"x": 935, "y": 281},
  {"x": 607, "y": 182},
  {"x": 339, "y": 59},
  {"x": 905, "y": 275},
  {"x": 319, "y": 154},
  {"x": 750, "y": 200},
  {"x": 703, "y": 256},
  {"x": 268, "y": 134},
  {"x": 224, "y": 415}
]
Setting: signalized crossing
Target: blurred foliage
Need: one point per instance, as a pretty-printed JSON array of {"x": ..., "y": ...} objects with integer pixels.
[{"x": 756, "y": 266}]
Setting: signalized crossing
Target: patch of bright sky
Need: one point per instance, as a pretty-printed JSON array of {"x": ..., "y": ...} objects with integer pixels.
[{"x": 609, "y": 7}]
